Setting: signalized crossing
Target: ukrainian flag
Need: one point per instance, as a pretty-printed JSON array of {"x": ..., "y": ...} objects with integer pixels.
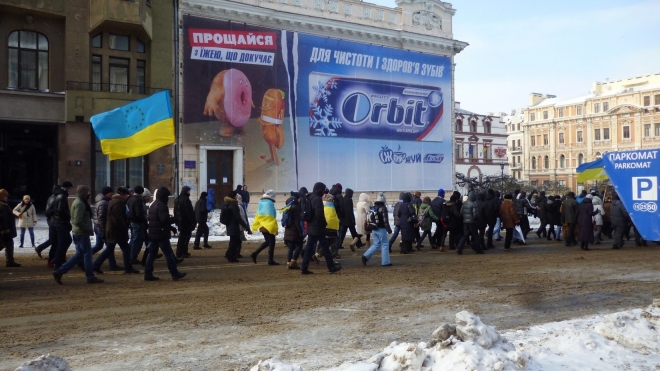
[
  {"x": 265, "y": 217},
  {"x": 591, "y": 171},
  {"x": 137, "y": 128}
]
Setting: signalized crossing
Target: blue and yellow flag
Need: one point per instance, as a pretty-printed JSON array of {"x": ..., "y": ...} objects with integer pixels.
[
  {"x": 137, "y": 128},
  {"x": 591, "y": 171}
]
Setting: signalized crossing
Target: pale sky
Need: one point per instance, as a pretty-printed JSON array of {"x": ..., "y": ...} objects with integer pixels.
[{"x": 550, "y": 47}]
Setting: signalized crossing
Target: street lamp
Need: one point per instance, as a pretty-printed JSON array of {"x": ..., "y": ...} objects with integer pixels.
[{"x": 502, "y": 167}]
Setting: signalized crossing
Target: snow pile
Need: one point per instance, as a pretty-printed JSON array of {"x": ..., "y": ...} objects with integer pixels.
[
  {"x": 467, "y": 345},
  {"x": 275, "y": 364},
  {"x": 45, "y": 363}
]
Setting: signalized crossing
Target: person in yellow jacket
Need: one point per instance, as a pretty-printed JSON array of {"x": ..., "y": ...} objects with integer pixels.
[
  {"x": 265, "y": 221},
  {"x": 332, "y": 220}
]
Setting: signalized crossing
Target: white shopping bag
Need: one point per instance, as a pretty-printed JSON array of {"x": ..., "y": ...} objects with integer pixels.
[{"x": 517, "y": 233}]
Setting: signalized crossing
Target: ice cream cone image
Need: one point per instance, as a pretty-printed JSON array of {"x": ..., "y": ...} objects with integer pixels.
[{"x": 272, "y": 120}]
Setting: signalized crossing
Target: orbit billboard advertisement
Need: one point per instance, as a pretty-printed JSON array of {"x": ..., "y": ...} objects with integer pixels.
[{"x": 308, "y": 108}]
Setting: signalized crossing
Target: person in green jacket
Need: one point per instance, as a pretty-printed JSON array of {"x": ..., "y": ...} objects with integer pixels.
[
  {"x": 82, "y": 229},
  {"x": 426, "y": 219}
]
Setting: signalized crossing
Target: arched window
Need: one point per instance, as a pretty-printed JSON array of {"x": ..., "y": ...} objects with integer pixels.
[
  {"x": 562, "y": 162},
  {"x": 598, "y": 156},
  {"x": 580, "y": 159},
  {"x": 546, "y": 162},
  {"x": 487, "y": 127},
  {"x": 533, "y": 163},
  {"x": 459, "y": 125},
  {"x": 28, "y": 60},
  {"x": 473, "y": 126}
]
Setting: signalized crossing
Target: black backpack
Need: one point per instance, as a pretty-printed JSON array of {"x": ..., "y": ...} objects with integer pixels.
[
  {"x": 307, "y": 212},
  {"x": 287, "y": 217},
  {"x": 225, "y": 215}
]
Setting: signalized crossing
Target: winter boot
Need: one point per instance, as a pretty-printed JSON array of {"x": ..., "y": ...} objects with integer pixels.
[
  {"x": 353, "y": 244},
  {"x": 359, "y": 243},
  {"x": 293, "y": 264}
]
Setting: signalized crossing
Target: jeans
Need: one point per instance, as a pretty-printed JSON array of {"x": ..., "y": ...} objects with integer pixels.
[
  {"x": 421, "y": 239},
  {"x": 497, "y": 229},
  {"x": 440, "y": 235},
  {"x": 166, "y": 248},
  {"x": 125, "y": 253},
  {"x": 108, "y": 253},
  {"x": 310, "y": 250},
  {"x": 395, "y": 234},
  {"x": 489, "y": 235},
  {"x": 63, "y": 243},
  {"x": 202, "y": 232},
  {"x": 470, "y": 229},
  {"x": 83, "y": 253},
  {"x": 269, "y": 241},
  {"x": 137, "y": 239},
  {"x": 558, "y": 229},
  {"x": 294, "y": 250},
  {"x": 100, "y": 239},
  {"x": 52, "y": 242},
  {"x": 380, "y": 241},
  {"x": 245, "y": 205},
  {"x": 31, "y": 230}
]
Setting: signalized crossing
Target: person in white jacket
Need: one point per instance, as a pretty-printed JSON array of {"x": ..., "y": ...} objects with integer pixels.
[
  {"x": 598, "y": 218},
  {"x": 27, "y": 218},
  {"x": 362, "y": 208}
]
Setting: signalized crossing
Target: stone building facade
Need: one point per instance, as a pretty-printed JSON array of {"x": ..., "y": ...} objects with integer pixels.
[{"x": 560, "y": 134}]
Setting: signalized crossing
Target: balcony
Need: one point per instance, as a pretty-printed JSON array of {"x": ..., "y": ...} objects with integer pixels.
[
  {"x": 482, "y": 161},
  {"x": 112, "y": 88},
  {"x": 120, "y": 14},
  {"x": 515, "y": 149}
]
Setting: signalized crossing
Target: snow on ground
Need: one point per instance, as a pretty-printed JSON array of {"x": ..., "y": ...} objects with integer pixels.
[
  {"x": 45, "y": 363},
  {"x": 627, "y": 340}
]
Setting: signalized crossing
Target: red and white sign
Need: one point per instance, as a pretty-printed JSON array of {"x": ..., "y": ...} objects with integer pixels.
[
  {"x": 233, "y": 39},
  {"x": 500, "y": 152}
]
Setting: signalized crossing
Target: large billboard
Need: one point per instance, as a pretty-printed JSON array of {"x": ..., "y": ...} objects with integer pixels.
[{"x": 369, "y": 117}]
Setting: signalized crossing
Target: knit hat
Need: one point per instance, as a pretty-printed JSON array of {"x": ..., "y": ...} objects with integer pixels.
[
  {"x": 122, "y": 191},
  {"x": 138, "y": 189},
  {"x": 381, "y": 198},
  {"x": 418, "y": 194},
  {"x": 328, "y": 197},
  {"x": 26, "y": 198},
  {"x": 338, "y": 185},
  {"x": 146, "y": 193},
  {"x": 441, "y": 192},
  {"x": 270, "y": 194},
  {"x": 105, "y": 190},
  {"x": 295, "y": 195},
  {"x": 203, "y": 194},
  {"x": 4, "y": 193},
  {"x": 67, "y": 184}
]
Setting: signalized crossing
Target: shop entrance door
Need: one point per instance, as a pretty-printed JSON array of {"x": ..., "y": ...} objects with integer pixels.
[{"x": 220, "y": 174}]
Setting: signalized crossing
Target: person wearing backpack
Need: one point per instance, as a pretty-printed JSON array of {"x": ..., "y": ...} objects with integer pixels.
[
  {"x": 293, "y": 231},
  {"x": 347, "y": 223},
  {"x": 230, "y": 216},
  {"x": 407, "y": 224},
  {"x": 266, "y": 223},
  {"x": 380, "y": 231},
  {"x": 395, "y": 213},
  {"x": 450, "y": 221},
  {"x": 437, "y": 206},
  {"x": 186, "y": 221},
  {"x": 470, "y": 215},
  {"x": 316, "y": 230},
  {"x": 426, "y": 219}
]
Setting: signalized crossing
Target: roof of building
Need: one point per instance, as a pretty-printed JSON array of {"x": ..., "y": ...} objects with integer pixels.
[{"x": 590, "y": 96}]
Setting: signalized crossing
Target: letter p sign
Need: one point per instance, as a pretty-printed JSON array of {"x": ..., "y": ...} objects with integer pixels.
[{"x": 645, "y": 188}]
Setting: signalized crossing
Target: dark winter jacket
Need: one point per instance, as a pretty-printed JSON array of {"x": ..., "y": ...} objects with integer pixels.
[
  {"x": 201, "y": 211},
  {"x": 451, "y": 215},
  {"x": 584, "y": 216},
  {"x": 396, "y": 209},
  {"x": 137, "y": 210},
  {"x": 481, "y": 210},
  {"x": 618, "y": 214},
  {"x": 469, "y": 211},
  {"x": 49, "y": 205},
  {"x": 339, "y": 203},
  {"x": 406, "y": 210},
  {"x": 523, "y": 207},
  {"x": 556, "y": 211},
  {"x": 235, "y": 223},
  {"x": 542, "y": 204},
  {"x": 159, "y": 216},
  {"x": 316, "y": 227},
  {"x": 116, "y": 228},
  {"x": 437, "y": 206},
  {"x": 382, "y": 220},
  {"x": 349, "y": 215},
  {"x": 7, "y": 223},
  {"x": 568, "y": 210},
  {"x": 101, "y": 211},
  {"x": 59, "y": 212},
  {"x": 492, "y": 209},
  {"x": 294, "y": 232},
  {"x": 184, "y": 212},
  {"x": 508, "y": 215}
]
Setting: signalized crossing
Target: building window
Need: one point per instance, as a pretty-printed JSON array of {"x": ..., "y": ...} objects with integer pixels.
[
  {"x": 579, "y": 136},
  {"x": 647, "y": 100},
  {"x": 546, "y": 162},
  {"x": 518, "y": 143},
  {"x": 606, "y": 106},
  {"x": 96, "y": 73},
  {"x": 626, "y": 132},
  {"x": 119, "y": 42},
  {"x": 473, "y": 126},
  {"x": 606, "y": 133},
  {"x": 647, "y": 130},
  {"x": 118, "y": 173},
  {"x": 598, "y": 155},
  {"x": 578, "y": 109},
  {"x": 533, "y": 163},
  {"x": 562, "y": 162},
  {"x": 580, "y": 159},
  {"x": 28, "y": 60},
  {"x": 596, "y": 107},
  {"x": 656, "y": 99},
  {"x": 532, "y": 116},
  {"x": 657, "y": 129},
  {"x": 97, "y": 41},
  {"x": 458, "y": 149},
  {"x": 562, "y": 183},
  {"x": 561, "y": 138},
  {"x": 472, "y": 151},
  {"x": 545, "y": 140},
  {"x": 596, "y": 134},
  {"x": 560, "y": 112},
  {"x": 459, "y": 125},
  {"x": 487, "y": 127},
  {"x": 534, "y": 183},
  {"x": 545, "y": 115},
  {"x": 533, "y": 138},
  {"x": 518, "y": 128},
  {"x": 140, "y": 47},
  {"x": 519, "y": 162},
  {"x": 141, "y": 76},
  {"x": 118, "y": 75}
]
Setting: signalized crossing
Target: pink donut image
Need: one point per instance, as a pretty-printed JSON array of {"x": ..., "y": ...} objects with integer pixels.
[{"x": 230, "y": 98}]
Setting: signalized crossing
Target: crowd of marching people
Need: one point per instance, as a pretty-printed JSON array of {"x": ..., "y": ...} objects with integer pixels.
[{"x": 315, "y": 225}]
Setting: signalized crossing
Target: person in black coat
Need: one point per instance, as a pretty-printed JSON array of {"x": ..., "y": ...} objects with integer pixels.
[
  {"x": 481, "y": 223},
  {"x": 293, "y": 234},
  {"x": 186, "y": 221},
  {"x": 316, "y": 232},
  {"x": 116, "y": 231},
  {"x": 160, "y": 225},
  {"x": 491, "y": 214},
  {"x": 347, "y": 223},
  {"x": 137, "y": 217},
  {"x": 201, "y": 216},
  {"x": 234, "y": 227},
  {"x": 61, "y": 219},
  {"x": 556, "y": 217},
  {"x": 407, "y": 223},
  {"x": 584, "y": 216},
  {"x": 542, "y": 213},
  {"x": 52, "y": 231},
  {"x": 437, "y": 206},
  {"x": 7, "y": 230}
]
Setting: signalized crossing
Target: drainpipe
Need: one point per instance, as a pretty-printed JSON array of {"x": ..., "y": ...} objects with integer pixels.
[{"x": 176, "y": 96}]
